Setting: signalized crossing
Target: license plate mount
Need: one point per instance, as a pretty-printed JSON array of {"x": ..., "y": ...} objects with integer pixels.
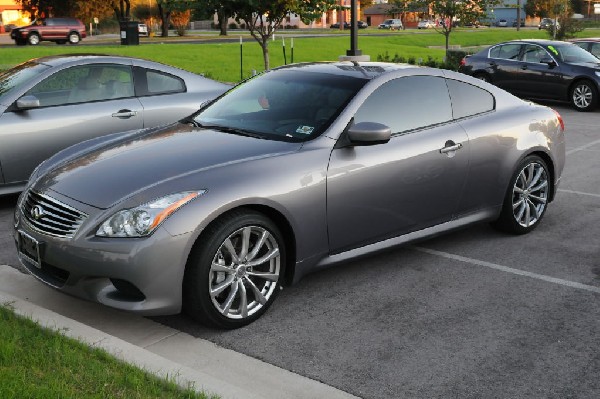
[{"x": 29, "y": 248}]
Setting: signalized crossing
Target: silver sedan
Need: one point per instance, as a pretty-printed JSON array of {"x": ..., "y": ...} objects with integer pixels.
[
  {"x": 50, "y": 103},
  {"x": 297, "y": 169}
]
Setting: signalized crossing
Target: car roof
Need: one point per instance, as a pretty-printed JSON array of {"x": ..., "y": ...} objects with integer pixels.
[
  {"x": 361, "y": 70},
  {"x": 57, "y": 60},
  {"x": 586, "y": 39},
  {"x": 542, "y": 42}
]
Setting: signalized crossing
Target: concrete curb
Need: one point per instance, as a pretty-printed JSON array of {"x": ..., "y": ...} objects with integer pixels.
[
  {"x": 161, "y": 350},
  {"x": 155, "y": 364}
]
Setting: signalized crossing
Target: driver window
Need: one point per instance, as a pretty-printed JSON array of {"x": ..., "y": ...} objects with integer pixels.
[
  {"x": 534, "y": 54},
  {"x": 408, "y": 103}
]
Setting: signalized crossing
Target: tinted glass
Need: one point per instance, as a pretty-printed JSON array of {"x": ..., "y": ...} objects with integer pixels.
[
  {"x": 408, "y": 103},
  {"x": 534, "y": 54},
  {"x": 573, "y": 54},
  {"x": 160, "y": 83},
  {"x": 468, "y": 100},
  {"x": 19, "y": 76},
  {"x": 595, "y": 49},
  {"x": 506, "y": 51},
  {"x": 84, "y": 84},
  {"x": 282, "y": 105}
]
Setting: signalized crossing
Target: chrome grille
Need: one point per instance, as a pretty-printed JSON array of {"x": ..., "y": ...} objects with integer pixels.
[{"x": 49, "y": 216}]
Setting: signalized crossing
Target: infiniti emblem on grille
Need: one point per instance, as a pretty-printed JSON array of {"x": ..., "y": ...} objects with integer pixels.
[{"x": 37, "y": 212}]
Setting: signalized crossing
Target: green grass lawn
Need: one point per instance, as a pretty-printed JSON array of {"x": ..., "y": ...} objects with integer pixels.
[
  {"x": 221, "y": 61},
  {"x": 39, "y": 363}
]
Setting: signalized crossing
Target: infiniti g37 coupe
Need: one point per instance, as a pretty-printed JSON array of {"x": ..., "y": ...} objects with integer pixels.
[{"x": 299, "y": 168}]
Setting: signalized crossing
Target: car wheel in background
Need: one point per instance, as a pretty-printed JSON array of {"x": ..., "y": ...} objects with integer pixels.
[
  {"x": 20, "y": 42},
  {"x": 74, "y": 38},
  {"x": 61, "y": 41},
  {"x": 33, "y": 39},
  {"x": 482, "y": 76},
  {"x": 584, "y": 96},
  {"x": 526, "y": 198},
  {"x": 235, "y": 270}
]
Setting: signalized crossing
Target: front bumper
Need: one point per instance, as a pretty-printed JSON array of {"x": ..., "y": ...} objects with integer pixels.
[{"x": 141, "y": 275}]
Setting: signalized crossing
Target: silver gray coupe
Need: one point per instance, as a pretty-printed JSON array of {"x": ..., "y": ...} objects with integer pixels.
[
  {"x": 50, "y": 103},
  {"x": 294, "y": 170}
]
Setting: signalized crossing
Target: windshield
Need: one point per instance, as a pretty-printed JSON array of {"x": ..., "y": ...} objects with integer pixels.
[
  {"x": 572, "y": 54},
  {"x": 282, "y": 105},
  {"x": 18, "y": 76}
]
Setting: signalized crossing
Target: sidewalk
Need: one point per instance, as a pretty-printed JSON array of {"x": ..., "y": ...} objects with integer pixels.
[{"x": 159, "y": 349}]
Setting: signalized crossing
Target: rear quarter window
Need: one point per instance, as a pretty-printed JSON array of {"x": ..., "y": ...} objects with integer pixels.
[
  {"x": 152, "y": 82},
  {"x": 468, "y": 100}
]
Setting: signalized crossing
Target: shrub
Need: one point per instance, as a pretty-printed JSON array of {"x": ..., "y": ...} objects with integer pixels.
[
  {"x": 180, "y": 21},
  {"x": 232, "y": 25}
]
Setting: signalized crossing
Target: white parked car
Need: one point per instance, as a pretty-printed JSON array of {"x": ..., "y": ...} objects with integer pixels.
[
  {"x": 391, "y": 24},
  {"x": 142, "y": 30},
  {"x": 425, "y": 24}
]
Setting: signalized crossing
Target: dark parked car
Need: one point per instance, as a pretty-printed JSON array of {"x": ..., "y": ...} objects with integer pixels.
[
  {"x": 514, "y": 24},
  {"x": 539, "y": 69},
  {"x": 590, "y": 44},
  {"x": 547, "y": 23},
  {"x": 59, "y": 30},
  {"x": 361, "y": 25},
  {"x": 294, "y": 170},
  {"x": 50, "y": 103}
]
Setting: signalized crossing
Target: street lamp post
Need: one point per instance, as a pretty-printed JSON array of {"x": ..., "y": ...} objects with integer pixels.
[{"x": 354, "y": 54}]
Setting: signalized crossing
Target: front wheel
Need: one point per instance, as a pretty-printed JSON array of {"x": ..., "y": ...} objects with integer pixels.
[
  {"x": 584, "y": 96},
  {"x": 526, "y": 198},
  {"x": 34, "y": 39},
  {"x": 74, "y": 38},
  {"x": 235, "y": 272}
]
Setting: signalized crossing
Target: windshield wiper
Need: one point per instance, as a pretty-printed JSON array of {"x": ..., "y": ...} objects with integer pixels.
[{"x": 232, "y": 130}]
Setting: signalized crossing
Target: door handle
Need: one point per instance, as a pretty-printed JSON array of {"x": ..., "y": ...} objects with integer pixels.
[
  {"x": 124, "y": 114},
  {"x": 450, "y": 147}
]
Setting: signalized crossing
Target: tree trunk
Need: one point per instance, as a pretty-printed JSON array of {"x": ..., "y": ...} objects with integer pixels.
[
  {"x": 265, "y": 48},
  {"x": 447, "y": 34},
  {"x": 222, "y": 18},
  {"x": 165, "y": 17}
]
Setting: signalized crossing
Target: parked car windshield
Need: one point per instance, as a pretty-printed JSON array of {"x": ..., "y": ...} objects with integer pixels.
[
  {"x": 282, "y": 105},
  {"x": 18, "y": 76},
  {"x": 572, "y": 54}
]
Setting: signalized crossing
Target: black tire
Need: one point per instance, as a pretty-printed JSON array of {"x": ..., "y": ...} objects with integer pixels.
[
  {"x": 522, "y": 210},
  {"x": 20, "y": 42},
  {"x": 584, "y": 96},
  {"x": 482, "y": 76},
  {"x": 211, "y": 266},
  {"x": 61, "y": 42},
  {"x": 33, "y": 39},
  {"x": 74, "y": 38}
]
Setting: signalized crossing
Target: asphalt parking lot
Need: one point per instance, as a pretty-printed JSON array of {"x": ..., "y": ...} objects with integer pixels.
[{"x": 473, "y": 314}]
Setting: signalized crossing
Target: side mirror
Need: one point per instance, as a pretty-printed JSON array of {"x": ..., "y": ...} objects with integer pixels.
[
  {"x": 28, "y": 102},
  {"x": 549, "y": 61},
  {"x": 369, "y": 133}
]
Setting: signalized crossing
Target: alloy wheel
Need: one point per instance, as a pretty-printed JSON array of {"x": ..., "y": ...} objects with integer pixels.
[
  {"x": 582, "y": 96},
  {"x": 530, "y": 194},
  {"x": 244, "y": 272}
]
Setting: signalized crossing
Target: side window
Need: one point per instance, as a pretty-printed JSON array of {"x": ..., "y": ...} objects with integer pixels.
[
  {"x": 468, "y": 100},
  {"x": 595, "y": 49},
  {"x": 506, "y": 51},
  {"x": 408, "y": 103},
  {"x": 533, "y": 53},
  {"x": 160, "y": 83},
  {"x": 84, "y": 84}
]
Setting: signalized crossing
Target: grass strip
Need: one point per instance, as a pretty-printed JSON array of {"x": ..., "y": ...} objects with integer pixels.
[{"x": 36, "y": 362}]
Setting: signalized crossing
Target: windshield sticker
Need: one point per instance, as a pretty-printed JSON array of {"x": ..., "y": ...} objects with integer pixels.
[
  {"x": 305, "y": 129},
  {"x": 551, "y": 48}
]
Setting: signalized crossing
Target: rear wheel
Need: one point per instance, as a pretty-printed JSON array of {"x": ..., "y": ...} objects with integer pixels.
[
  {"x": 482, "y": 76},
  {"x": 74, "y": 38},
  {"x": 584, "y": 96},
  {"x": 526, "y": 198},
  {"x": 33, "y": 39},
  {"x": 234, "y": 274}
]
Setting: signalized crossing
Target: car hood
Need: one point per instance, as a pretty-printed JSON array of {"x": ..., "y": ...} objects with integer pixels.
[{"x": 114, "y": 172}]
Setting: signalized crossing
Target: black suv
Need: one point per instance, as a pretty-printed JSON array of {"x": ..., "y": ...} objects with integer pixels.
[{"x": 59, "y": 30}]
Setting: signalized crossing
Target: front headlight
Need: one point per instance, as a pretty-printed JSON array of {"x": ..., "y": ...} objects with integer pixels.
[{"x": 144, "y": 219}]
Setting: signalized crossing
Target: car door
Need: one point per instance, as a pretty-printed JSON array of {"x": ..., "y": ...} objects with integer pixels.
[
  {"x": 539, "y": 79},
  {"x": 75, "y": 104},
  {"x": 505, "y": 66},
  {"x": 411, "y": 182}
]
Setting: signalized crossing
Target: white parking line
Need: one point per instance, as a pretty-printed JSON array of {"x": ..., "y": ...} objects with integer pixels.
[
  {"x": 506, "y": 269},
  {"x": 578, "y": 192},
  {"x": 583, "y": 147}
]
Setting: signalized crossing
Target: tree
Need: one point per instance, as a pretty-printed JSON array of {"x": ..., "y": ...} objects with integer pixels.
[
  {"x": 166, "y": 8},
  {"x": 180, "y": 20},
  {"x": 450, "y": 11},
  {"x": 86, "y": 10},
  {"x": 45, "y": 8},
  {"x": 263, "y": 17}
]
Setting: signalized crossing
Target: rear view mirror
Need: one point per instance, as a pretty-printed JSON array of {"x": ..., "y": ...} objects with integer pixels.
[
  {"x": 549, "y": 61},
  {"x": 28, "y": 102},
  {"x": 369, "y": 133}
]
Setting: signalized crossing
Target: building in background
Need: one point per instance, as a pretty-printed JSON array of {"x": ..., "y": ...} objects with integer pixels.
[{"x": 11, "y": 14}]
